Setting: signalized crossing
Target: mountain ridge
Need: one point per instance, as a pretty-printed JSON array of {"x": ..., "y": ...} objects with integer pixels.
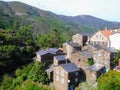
[{"x": 44, "y": 20}]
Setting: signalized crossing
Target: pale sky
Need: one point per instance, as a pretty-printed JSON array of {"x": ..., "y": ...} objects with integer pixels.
[{"x": 105, "y": 9}]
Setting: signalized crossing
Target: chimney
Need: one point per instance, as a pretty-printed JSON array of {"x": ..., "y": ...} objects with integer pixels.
[
  {"x": 106, "y": 28},
  {"x": 66, "y": 59}
]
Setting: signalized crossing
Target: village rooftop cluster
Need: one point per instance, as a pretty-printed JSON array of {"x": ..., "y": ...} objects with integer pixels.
[{"x": 68, "y": 66}]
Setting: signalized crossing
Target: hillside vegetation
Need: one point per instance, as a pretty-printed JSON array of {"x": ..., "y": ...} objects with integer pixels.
[{"x": 42, "y": 21}]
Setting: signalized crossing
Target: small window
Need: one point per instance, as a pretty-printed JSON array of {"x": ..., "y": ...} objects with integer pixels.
[
  {"x": 57, "y": 71},
  {"x": 62, "y": 73},
  {"x": 62, "y": 80},
  {"x": 106, "y": 55},
  {"x": 102, "y": 38},
  {"x": 96, "y": 42},
  {"x": 76, "y": 79},
  {"x": 96, "y": 36},
  {"x": 57, "y": 78},
  {"x": 76, "y": 73}
]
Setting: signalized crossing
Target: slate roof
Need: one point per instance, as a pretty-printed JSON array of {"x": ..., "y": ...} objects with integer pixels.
[
  {"x": 42, "y": 52},
  {"x": 110, "y": 50},
  {"x": 87, "y": 34},
  {"x": 60, "y": 57},
  {"x": 50, "y": 50},
  {"x": 70, "y": 67},
  {"x": 87, "y": 54},
  {"x": 95, "y": 67},
  {"x": 73, "y": 44}
]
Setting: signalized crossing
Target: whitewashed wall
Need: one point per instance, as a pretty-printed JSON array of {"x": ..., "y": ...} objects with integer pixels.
[{"x": 115, "y": 41}]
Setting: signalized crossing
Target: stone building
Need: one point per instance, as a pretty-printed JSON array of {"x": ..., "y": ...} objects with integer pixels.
[
  {"x": 70, "y": 47},
  {"x": 66, "y": 76},
  {"x": 81, "y": 38},
  {"x": 81, "y": 58},
  {"x": 46, "y": 56},
  {"x": 93, "y": 72},
  {"x": 60, "y": 59},
  {"x": 105, "y": 57}
]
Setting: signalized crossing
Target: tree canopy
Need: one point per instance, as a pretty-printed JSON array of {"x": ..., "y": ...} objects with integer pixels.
[
  {"x": 53, "y": 39},
  {"x": 109, "y": 81},
  {"x": 30, "y": 77}
]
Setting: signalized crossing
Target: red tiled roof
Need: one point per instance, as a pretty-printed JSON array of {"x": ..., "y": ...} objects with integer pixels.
[{"x": 107, "y": 33}]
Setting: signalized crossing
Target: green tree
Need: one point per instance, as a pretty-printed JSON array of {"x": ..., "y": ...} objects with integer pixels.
[
  {"x": 9, "y": 51},
  {"x": 109, "y": 81},
  {"x": 116, "y": 58},
  {"x": 53, "y": 39},
  {"x": 38, "y": 73},
  {"x": 32, "y": 86},
  {"x": 90, "y": 61},
  {"x": 6, "y": 82}
]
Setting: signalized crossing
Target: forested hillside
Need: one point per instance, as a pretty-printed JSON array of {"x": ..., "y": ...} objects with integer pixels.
[{"x": 42, "y": 21}]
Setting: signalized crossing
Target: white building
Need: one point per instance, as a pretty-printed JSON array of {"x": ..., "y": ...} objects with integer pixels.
[{"x": 115, "y": 41}]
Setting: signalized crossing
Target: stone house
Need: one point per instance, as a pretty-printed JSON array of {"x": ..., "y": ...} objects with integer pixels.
[
  {"x": 81, "y": 58},
  {"x": 57, "y": 60},
  {"x": 81, "y": 38},
  {"x": 66, "y": 76},
  {"x": 60, "y": 59},
  {"x": 93, "y": 72},
  {"x": 70, "y": 47},
  {"x": 46, "y": 56},
  {"x": 50, "y": 73},
  {"x": 105, "y": 57},
  {"x": 101, "y": 38}
]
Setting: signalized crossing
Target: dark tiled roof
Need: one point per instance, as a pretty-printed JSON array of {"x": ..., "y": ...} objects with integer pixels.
[
  {"x": 87, "y": 54},
  {"x": 95, "y": 67},
  {"x": 50, "y": 50},
  {"x": 110, "y": 49},
  {"x": 42, "y": 52},
  {"x": 60, "y": 57},
  {"x": 73, "y": 44},
  {"x": 70, "y": 67},
  {"x": 87, "y": 34}
]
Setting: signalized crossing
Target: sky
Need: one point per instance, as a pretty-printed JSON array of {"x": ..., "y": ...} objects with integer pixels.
[{"x": 105, "y": 9}]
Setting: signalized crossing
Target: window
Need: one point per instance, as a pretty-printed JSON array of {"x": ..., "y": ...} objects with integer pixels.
[
  {"x": 96, "y": 42},
  {"x": 62, "y": 80},
  {"x": 106, "y": 62},
  {"x": 57, "y": 78},
  {"x": 106, "y": 56},
  {"x": 76, "y": 73},
  {"x": 62, "y": 73},
  {"x": 96, "y": 36},
  {"x": 102, "y": 38},
  {"x": 57, "y": 71},
  {"x": 76, "y": 79}
]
